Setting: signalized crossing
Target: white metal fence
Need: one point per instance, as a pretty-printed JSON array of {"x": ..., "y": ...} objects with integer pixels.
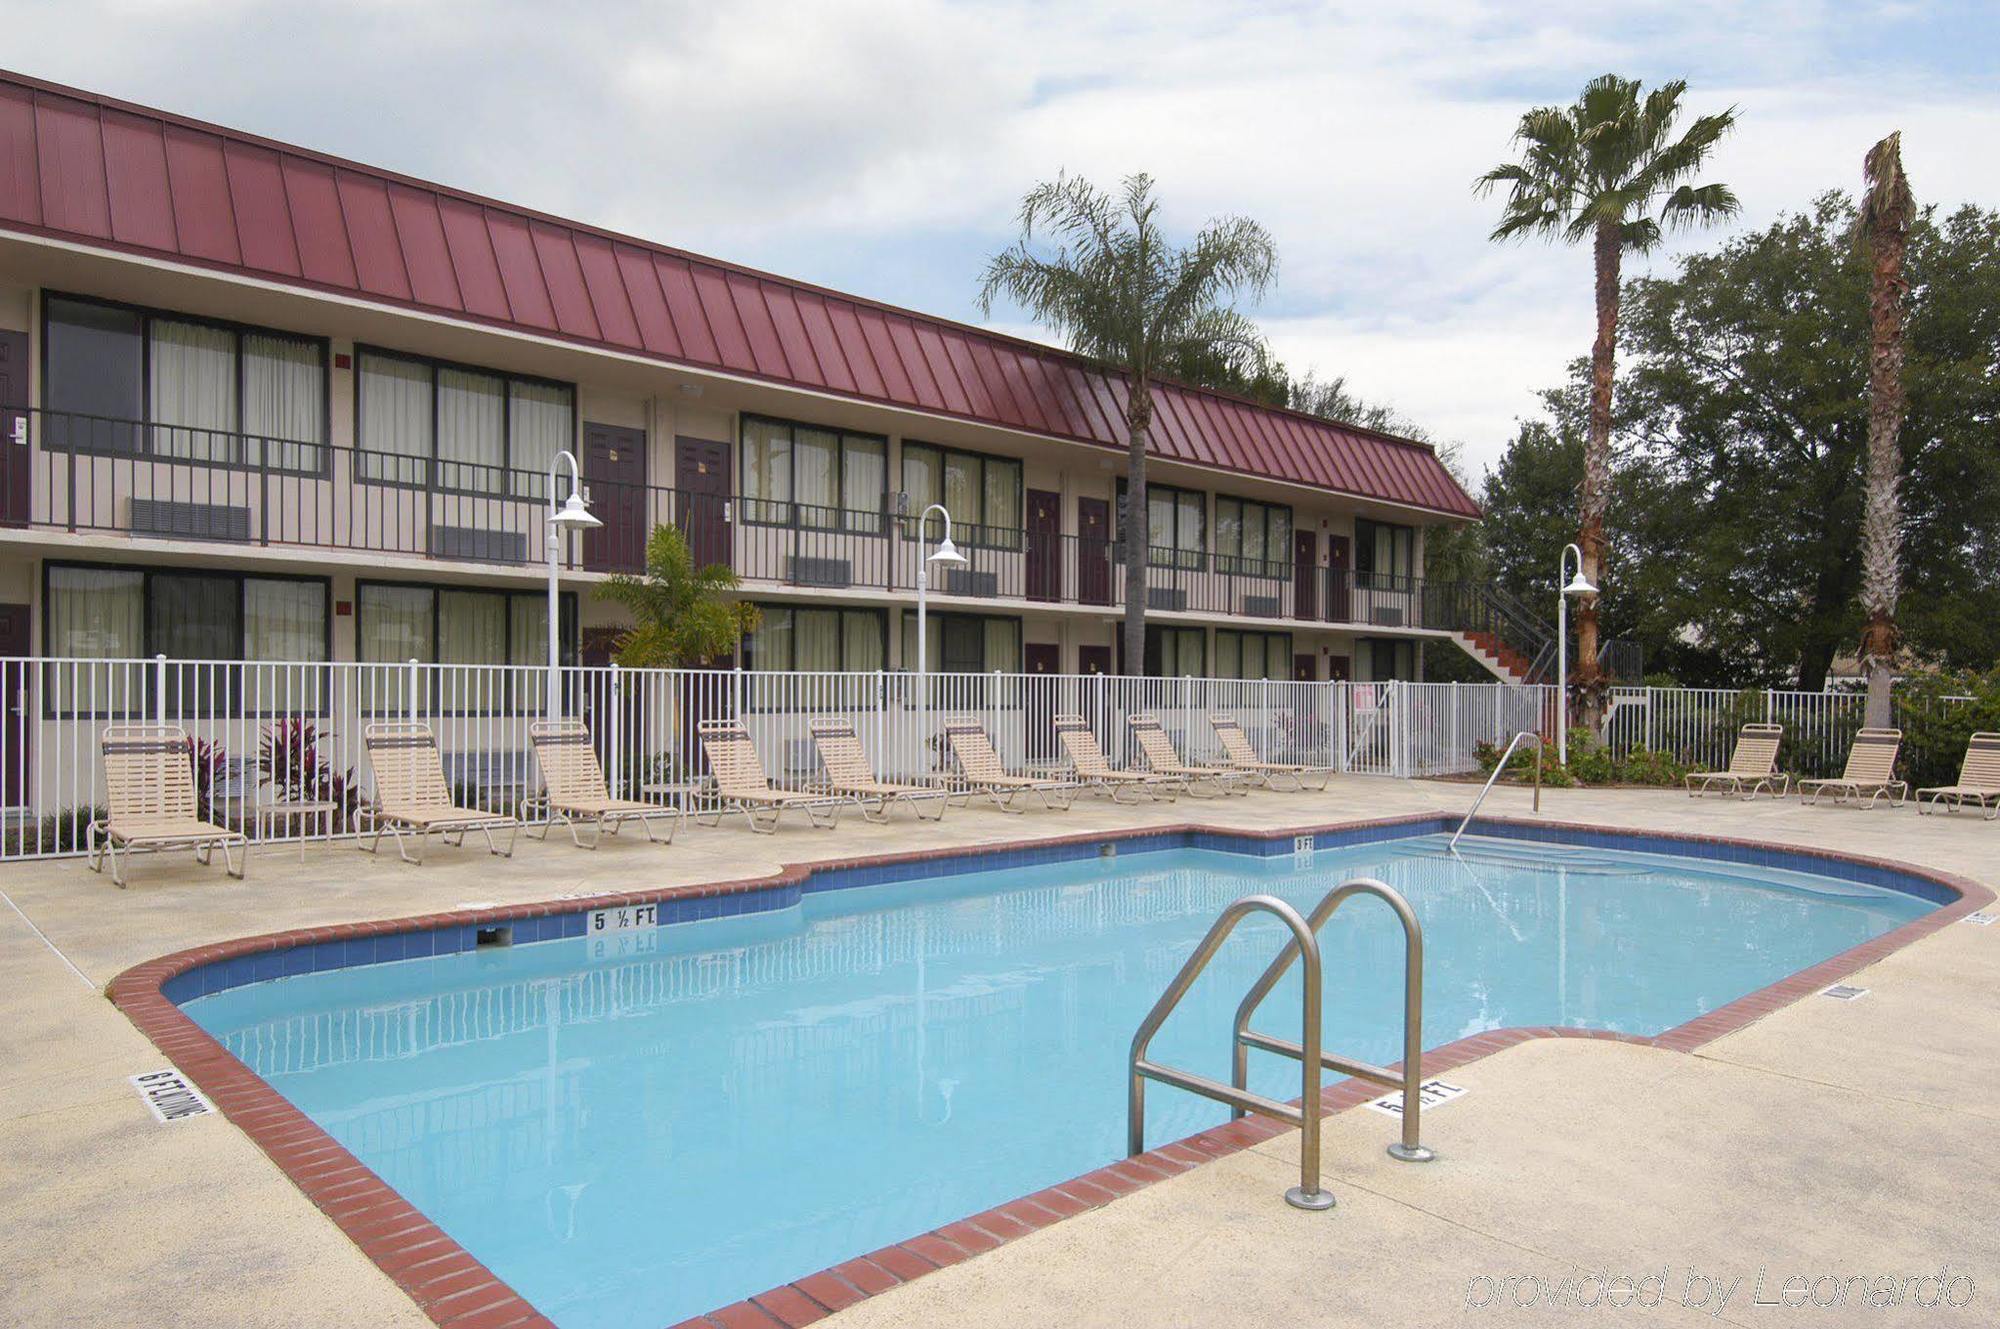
[{"x": 269, "y": 735}]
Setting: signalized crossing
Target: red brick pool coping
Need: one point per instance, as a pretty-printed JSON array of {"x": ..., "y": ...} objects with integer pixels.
[{"x": 459, "y": 1292}]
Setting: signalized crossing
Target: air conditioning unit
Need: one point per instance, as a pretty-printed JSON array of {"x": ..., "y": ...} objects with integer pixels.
[
  {"x": 985, "y": 584},
  {"x": 821, "y": 571},
  {"x": 1166, "y": 597},
  {"x": 476, "y": 544},
  {"x": 1387, "y": 616},
  {"x": 1261, "y": 606},
  {"x": 189, "y": 521}
]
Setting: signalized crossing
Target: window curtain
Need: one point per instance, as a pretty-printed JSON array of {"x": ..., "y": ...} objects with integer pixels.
[
  {"x": 396, "y": 420},
  {"x": 394, "y": 625},
  {"x": 922, "y": 483},
  {"x": 472, "y": 628},
  {"x": 471, "y": 431},
  {"x": 770, "y": 645},
  {"x": 816, "y": 640},
  {"x": 193, "y": 391},
  {"x": 767, "y": 471},
  {"x": 284, "y": 401},
  {"x": 1278, "y": 545},
  {"x": 1003, "y": 646},
  {"x": 284, "y": 620},
  {"x": 815, "y": 477},
  {"x": 96, "y": 614},
  {"x": 861, "y": 641},
  {"x": 962, "y": 493},
  {"x": 540, "y": 419},
  {"x": 1228, "y": 655},
  {"x": 864, "y": 482},
  {"x": 1228, "y": 533},
  {"x": 1002, "y": 511}
]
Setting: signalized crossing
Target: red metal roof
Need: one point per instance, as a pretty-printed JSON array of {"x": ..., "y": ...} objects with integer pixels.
[{"x": 111, "y": 175}]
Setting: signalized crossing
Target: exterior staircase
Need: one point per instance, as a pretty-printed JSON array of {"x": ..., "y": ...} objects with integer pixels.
[{"x": 1495, "y": 655}]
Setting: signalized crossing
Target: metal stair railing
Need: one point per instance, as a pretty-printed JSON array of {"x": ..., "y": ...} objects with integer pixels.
[{"x": 1308, "y": 1051}]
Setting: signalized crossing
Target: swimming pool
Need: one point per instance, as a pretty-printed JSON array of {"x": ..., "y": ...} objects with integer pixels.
[{"x": 640, "y": 1127}]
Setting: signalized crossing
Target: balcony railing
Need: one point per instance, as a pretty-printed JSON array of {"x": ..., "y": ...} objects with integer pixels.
[{"x": 84, "y": 473}]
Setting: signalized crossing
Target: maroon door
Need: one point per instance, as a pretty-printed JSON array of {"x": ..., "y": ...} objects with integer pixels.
[
  {"x": 1339, "y": 581},
  {"x": 1305, "y": 560},
  {"x": 1093, "y": 659},
  {"x": 16, "y": 458},
  {"x": 14, "y": 647},
  {"x": 614, "y": 466},
  {"x": 1339, "y": 668},
  {"x": 1045, "y": 561},
  {"x": 1305, "y": 669},
  {"x": 1093, "y": 551},
  {"x": 701, "y": 501}
]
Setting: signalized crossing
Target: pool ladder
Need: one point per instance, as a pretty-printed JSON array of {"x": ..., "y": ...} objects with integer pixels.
[{"x": 1308, "y": 1052}]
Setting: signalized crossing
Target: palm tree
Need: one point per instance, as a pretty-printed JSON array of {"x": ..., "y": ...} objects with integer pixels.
[
  {"x": 1121, "y": 293},
  {"x": 680, "y": 613},
  {"x": 1607, "y": 170},
  {"x": 1884, "y": 232}
]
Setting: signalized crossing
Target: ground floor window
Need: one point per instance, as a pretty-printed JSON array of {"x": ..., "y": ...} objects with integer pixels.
[
  {"x": 110, "y": 613},
  {"x": 789, "y": 637},
  {"x": 1252, "y": 654},
  {"x": 1389, "y": 659},
  {"x": 964, "y": 643},
  {"x": 1176, "y": 652},
  {"x": 395, "y": 623}
]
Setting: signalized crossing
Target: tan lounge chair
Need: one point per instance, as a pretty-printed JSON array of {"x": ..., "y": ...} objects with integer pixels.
[
  {"x": 740, "y": 785},
  {"x": 411, "y": 794},
  {"x": 980, "y": 769},
  {"x": 1239, "y": 755},
  {"x": 1753, "y": 766},
  {"x": 848, "y": 772},
  {"x": 1871, "y": 770},
  {"x": 1094, "y": 771},
  {"x": 1978, "y": 779},
  {"x": 576, "y": 789},
  {"x": 149, "y": 780},
  {"x": 1158, "y": 749}
]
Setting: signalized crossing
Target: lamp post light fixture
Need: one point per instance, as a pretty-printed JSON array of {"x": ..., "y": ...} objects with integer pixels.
[
  {"x": 573, "y": 515},
  {"x": 1577, "y": 586},
  {"x": 945, "y": 555}
]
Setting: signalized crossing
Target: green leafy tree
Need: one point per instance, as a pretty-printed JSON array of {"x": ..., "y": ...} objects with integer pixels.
[
  {"x": 1608, "y": 170},
  {"x": 1884, "y": 232},
  {"x": 681, "y": 613},
  {"x": 1100, "y": 271},
  {"x": 1738, "y": 492}
]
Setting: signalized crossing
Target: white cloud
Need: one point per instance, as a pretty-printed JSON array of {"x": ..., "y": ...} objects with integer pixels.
[{"x": 808, "y": 130}]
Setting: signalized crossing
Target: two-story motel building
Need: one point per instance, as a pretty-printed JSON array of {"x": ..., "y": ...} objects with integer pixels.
[{"x": 261, "y": 403}]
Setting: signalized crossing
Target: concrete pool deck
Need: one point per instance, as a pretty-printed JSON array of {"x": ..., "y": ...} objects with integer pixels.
[{"x": 1847, "y": 1138}]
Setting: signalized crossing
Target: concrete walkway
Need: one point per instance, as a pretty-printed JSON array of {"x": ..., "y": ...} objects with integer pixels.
[{"x": 1830, "y": 1138}]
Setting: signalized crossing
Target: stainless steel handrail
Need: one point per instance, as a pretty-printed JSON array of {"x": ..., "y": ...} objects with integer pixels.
[
  {"x": 1498, "y": 770},
  {"x": 1307, "y": 1194},
  {"x": 1410, "y": 1079}
]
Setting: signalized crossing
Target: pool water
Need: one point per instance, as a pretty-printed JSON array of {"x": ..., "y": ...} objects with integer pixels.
[{"x": 639, "y": 1128}]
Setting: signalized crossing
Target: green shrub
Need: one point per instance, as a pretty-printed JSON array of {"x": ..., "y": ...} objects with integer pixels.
[{"x": 1938, "y": 713}]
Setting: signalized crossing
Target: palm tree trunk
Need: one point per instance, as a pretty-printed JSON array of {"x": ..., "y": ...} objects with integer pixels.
[
  {"x": 1595, "y": 492},
  {"x": 1881, "y": 522},
  {"x": 1138, "y": 541}
]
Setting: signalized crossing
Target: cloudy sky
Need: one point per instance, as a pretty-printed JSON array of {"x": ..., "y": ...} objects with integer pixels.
[{"x": 881, "y": 148}]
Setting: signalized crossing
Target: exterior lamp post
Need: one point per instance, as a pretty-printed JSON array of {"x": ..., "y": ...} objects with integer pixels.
[
  {"x": 946, "y": 555},
  {"x": 1577, "y": 586},
  {"x": 573, "y": 515}
]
